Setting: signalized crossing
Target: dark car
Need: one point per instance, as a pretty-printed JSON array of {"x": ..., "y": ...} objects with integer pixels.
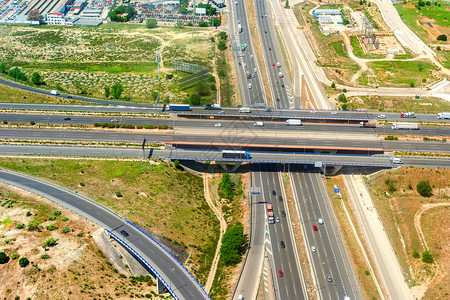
[
  {"x": 278, "y": 99},
  {"x": 69, "y": 97},
  {"x": 283, "y": 213},
  {"x": 67, "y": 119},
  {"x": 124, "y": 233},
  {"x": 280, "y": 198},
  {"x": 282, "y": 244},
  {"x": 274, "y": 193}
]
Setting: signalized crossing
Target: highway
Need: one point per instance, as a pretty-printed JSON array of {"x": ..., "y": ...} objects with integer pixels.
[
  {"x": 330, "y": 257},
  {"x": 290, "y": 285},
  {"x": 184, "y": 286},
  {"x": 273, "y": 57},
  {"x": 252, "y": 91},
  {"x": 193, "y": 124}
]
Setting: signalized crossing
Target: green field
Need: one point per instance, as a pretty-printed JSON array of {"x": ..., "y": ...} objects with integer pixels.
[
  {"x": 401, "y": 73},
  {"x": 81, "y": 60},
  {"x": 399, "y": 104},
  {"x": 411, "y": 16},
  {"x": 167, "y": 201}
]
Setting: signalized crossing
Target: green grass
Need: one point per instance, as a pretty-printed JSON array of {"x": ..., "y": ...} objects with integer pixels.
[
  {"x": 340, "y": 48},
  {"x": 91, "y": 67},
  {"x": 399, "y": 104},
  {"x": 358, "y": 51},
  {"x": 164, "y": 200},
  {"x": 445, "y": 58},
  {"x": 402, "y": 73}
]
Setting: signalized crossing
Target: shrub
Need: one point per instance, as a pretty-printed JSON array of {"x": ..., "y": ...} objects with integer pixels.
[
  {"x": 424, "y": 188},
  {"x": 411, "y": 84},
  {"x": 17, "y": 73},
  {"x": 442, "y": 38},
  {"x": 391, "y": 184},
  {"x": 176, "y": 164},
  {"x": 52, "y": 218},
  {"x": 415, "y": 254},
  {"x": 32, "y": 122},
  {"x": 221, "y": 45},
  {"x": 333, "y": 85},
  {"x": 36, "y": 78},
  {"x": 20, "y": 226},
  {"x": 50, "y": 242},
  {"x": 29, "y": 213},
  {"x": 57, "y": 213},
  {"x": 65, "y": 219},
  {"x": 233, "y": 245},
  {"x": 15, "y": 256},
  {"x": 23, "y": 262},
  {"x": 366, "y": 272},
  {"x": 427, "y": 257},
  {"x": 119, "y": 194},
  {"x": 342, "y": 98},
  {"x": 33, "y": 225},
  {"x": 3, "y": 258},
  {"x": 82, "y": 184},
  {"x": 51, "y": 227},
  {"x": 45, "y": 256},
  {"x": 151, "y": 23},
  {"x": 5, "y": 122},
  {"x": 65, "y": 230}
]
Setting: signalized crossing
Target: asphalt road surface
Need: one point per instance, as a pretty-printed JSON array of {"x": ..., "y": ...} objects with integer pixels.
[
  {"x": 330, "y": 257},
  {"x": 172, "y": 272},
  {"x": 285, "y": 259},
  {"x": 224, "y": 124}
]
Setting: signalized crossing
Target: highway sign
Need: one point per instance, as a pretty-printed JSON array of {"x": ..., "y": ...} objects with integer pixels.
[{"x": 336, "y": 191}]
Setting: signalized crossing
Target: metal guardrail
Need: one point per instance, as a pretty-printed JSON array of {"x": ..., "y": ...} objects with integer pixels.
[
  {"x": 176, "y": 260},
  {"x": 143, "y": 261}
]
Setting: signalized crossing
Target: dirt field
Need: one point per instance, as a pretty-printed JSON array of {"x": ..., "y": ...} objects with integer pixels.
[
  {"x": 75, "y": 268},
  {"x": 398, "y": 209}
]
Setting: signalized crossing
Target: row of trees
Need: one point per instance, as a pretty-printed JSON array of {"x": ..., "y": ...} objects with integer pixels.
[{"x": 17, "y": 74}]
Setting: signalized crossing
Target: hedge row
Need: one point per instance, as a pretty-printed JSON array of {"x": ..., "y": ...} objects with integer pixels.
[{"x": 131, "y": 126}]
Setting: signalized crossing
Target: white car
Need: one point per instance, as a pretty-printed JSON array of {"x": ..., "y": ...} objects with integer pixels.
[
  {"x": 278, "y": 219},
  {"x": 218, "y": 125},
  {"x": 313, "y": 249},
  {"x": 251, "y": 56},
  {"x": 249, "y": 85},
  {"x": 320, "y": 220},
  {"x": 334, "y": 112},
  {"x": 381, "y": 116}
]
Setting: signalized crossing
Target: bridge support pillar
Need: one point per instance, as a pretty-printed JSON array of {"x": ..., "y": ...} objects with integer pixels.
[
  {"x": 230, "y": 168},
  {"x": 330, "y": 170}
]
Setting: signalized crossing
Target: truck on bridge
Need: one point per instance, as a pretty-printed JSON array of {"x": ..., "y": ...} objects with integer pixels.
[
  {"x": 179, "y": 107},
  {"x": 270, "y": 213},
  {"x": 367, "y": 124},
  {"x": 411, "y": 126},
  {"x": 293, "y": 122},
  {"x": 443, "y": 115},
  {"x": 407, "y": 115},
  {"x": 235, "y": 154}
]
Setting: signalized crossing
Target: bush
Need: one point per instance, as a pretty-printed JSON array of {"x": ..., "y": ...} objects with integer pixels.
[
  {"x": 342, "y": 98},
  {"x": 51, "y": 227},
  {"x": 117, "y": 90},
  {"x": 45, "y": 256},
  {"x": 3, "y": 258},
  {"x": 33, "y": 225},
  {"x": 15, "y": 256},
  {"x": 17, "y": 73},
  {"x": 5, "y": 122},
  {"x": 50, "y": 242},
  {"x": 151, "y": 23},
  {"x": 57, "y": 213},
  {"x": 223, "y": 35},
  {"x": 366, "y": 272},
  {"x": 415, "y": 254},
  {"x": 233, "y": 245},
  {"x": 82, "y": 184},
  {"x": 23, "y": 262},
  {"x": 29, "y": 213},
  {"x": 65, "y": 219},
  {"x": 32, "y": 122},
  {"x": 391, "y": 184},
  {"x": 333, "y": 85},
  {"x": 20, "y": 226},
  {"x": 119, "y": 194},
  {"x": 391, "y": 138},
  {"x": 52, "y": 218},
  {"x": 176, "y": 164},
  {"x": 424, "y": 188},
  {"x": 442, "y": 38},
  {"x": 65, "y": 230},
  {"x": 36, "y": 78},
  {"x": 427, "y": 257}
]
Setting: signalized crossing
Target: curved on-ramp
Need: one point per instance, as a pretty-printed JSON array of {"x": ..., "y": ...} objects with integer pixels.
[{"x": 180, "y": 283}]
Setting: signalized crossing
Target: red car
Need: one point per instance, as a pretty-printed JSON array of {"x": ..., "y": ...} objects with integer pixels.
[
  {"x": 280, "y": 273},
  {"x": 273, "y": 65},
  {"x": 315, "y": 227}
]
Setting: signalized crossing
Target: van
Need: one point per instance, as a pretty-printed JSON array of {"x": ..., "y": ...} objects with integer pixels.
[
  {"x": 259, "y": 124},
  {"x": 396, "y": 160},
  {"x": 240, "y": 297}
]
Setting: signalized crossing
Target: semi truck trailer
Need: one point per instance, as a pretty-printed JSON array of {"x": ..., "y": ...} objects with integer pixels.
[
  {"x": 444, "y": 115},
  {"x": 367, "y": 124},
  {"x": 293, "y": 122},
  {"x": 411, "y": 126},
  {"x": 407, "y": 115},
  {"x": 179, "y": 107},
  {"x": 54, "y": 92},
  {"x": 235, "y": 154}
]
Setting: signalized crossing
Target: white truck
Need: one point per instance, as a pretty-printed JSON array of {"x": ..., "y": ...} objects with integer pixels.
[
  {"x": 444, "y": 115},
  {"x": 411, "y": 126},
  {"x": 246, "y": 110},
  {"x": 259, "y": 124},
  {"x": 54, "y": 92},
  {"x": 293, "y": 122}
]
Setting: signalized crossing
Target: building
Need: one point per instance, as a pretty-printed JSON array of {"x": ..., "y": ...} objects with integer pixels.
[
  {"x": 218, "y": 3},
  {"x": 55, "y": 19},
  {"x": 324, "y": 12}
]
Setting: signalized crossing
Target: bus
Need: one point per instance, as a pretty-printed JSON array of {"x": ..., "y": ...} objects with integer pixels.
[{"x": 235, "y": 154}]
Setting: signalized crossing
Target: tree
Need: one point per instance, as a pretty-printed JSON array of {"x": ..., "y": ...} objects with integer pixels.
[
  {"x": 421, "y": 3},
  {"x": 122, "y": 14},
  {"x": 222, "y": 45},
  {"x": 215, "y": 22},
  {"x": 17, "y": 73},
  {"x": 286, "y": 5},
  {"x": 427, "y": 257},
  {"x": 195, "y": 99},
  {"x": 202, "y": 88},
  {"x": 3, "y": 68},
  {"x": 223, "y": 35},
  {"x": 155, "y": 95},
  {"x": 333, "y": 85},
  {"x": 424, "y": 188},
  {"x": 116, "y": 90},
  {"x": 107, "y": 91},
  {"x": 233, "y": 245},
  {"x": 179, "y": 25},
  {"x": 36, "y": 78},
  {"x": 23, "y": 262},
  {"x": 34, "y": 15},
  {"x": 442, "y": 37},
  {"x": 3, "y": 258},
  {"x": 342, "y": 98},
  {"x": 177, "y": 164},
  {"x": 151, "y": 23}
]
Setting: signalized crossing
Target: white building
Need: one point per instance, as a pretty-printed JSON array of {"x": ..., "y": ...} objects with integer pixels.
[{"x": 55, "y": 19}]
